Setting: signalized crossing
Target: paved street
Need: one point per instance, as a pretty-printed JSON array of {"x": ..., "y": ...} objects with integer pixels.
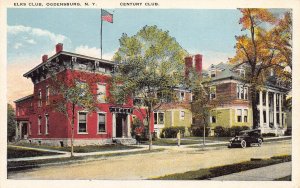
[{"x": 144, "y": 166}]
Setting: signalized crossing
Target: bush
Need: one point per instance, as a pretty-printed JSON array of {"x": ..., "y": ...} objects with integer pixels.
[
  {"x": 199, "y": 131},
  {"x": 222, "y": 131},
  {"x": 268, "y": 134},
  {"x": 171, "y": 132},
  {"x": 229, "y": 132},
  {"x": 288, "y": 132}
]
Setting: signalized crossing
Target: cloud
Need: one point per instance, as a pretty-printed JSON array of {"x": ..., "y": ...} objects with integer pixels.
[
  {"x": 31, "y": 41},
  {"x": 18, "y": 45},
  {"x": 36, "y": 32},
  {"x": 93, "y": 52}
]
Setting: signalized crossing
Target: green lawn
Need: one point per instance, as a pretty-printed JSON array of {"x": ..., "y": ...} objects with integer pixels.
[
  {"x": 23, "y": 165},
  {"x": 13, "y": 152},
  {"x": 84, "y": 149},
  {"x": 203, "y": 174}
]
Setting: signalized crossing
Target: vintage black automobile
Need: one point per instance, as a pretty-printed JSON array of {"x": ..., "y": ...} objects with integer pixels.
[{"x": 246, "y": 139}]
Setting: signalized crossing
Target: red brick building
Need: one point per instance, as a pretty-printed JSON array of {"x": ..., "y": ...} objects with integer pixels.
[{"x": 38, "y": 122}]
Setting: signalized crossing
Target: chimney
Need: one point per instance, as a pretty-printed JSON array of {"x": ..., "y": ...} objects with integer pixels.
[
  {"x": 44, "y": 58},
  {"x": 188, "y": 65},
  {"x": 198, "y": 63},
  {"x": 59, "y": 47}
]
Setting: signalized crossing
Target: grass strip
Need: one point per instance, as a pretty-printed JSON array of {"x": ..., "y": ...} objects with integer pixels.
[
  {"x": 82, "y": 149},
  {"x": 13, "y": 152},
  {"x": 207, "y": 173},
  {"x": 13, "y": 166}
]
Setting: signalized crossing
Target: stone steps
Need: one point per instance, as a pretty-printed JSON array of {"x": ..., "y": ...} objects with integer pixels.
[{"x": 125, "y": 141}]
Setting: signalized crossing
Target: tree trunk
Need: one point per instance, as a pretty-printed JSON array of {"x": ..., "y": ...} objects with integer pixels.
[
  {"x": 149, "y": 126},
  {"x": 254, "y": 107},
  {"x": 72, "y": 130},
  {"x": 203, "y": 137}
]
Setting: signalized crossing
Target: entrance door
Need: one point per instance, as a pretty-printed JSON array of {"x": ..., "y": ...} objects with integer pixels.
[
  {"x": 120, "y": 124},
  {"x": 24, "y": 130}
]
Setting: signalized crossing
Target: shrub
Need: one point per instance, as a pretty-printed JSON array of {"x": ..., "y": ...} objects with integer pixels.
[
  {"x": 171, "y": 132},
  {"x": 222, "y": 131},
  {"x": 288, "y": 132},
  {"x": 199, "y": 131}
]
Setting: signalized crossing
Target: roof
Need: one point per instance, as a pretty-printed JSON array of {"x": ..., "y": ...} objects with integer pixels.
[
  {"x": 24, "y": 98},
  {"x": 68, "y": 54}
]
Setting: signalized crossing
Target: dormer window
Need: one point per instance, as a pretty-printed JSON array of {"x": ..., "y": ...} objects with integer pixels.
[
  {"x": 74, "y": 59},
  {"x": 181, "y": 96},
  {"x": 241, "y": 72},
  {"x": 213, "y": 73}
]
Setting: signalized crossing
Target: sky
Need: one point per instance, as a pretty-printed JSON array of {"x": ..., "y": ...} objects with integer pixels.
[{"x": 32, "y": 33}]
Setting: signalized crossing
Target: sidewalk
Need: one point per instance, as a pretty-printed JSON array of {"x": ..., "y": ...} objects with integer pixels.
[
  {"x": 65, "y": 154},
  {"x": 267, "y": 173}
]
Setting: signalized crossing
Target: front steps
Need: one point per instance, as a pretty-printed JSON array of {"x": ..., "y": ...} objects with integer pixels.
[{"x": 125, "y": 141}]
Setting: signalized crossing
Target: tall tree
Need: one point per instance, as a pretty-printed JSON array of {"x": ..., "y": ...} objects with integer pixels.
[
  {"x": 257, "y": 50},
  {"x": 11, "y": 124},
  {"x": 150, "y": 64},
  {"x": 69, "y": 93}
]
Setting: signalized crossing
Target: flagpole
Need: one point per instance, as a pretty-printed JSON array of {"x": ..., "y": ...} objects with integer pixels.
[{"x": 101, "y": 35}]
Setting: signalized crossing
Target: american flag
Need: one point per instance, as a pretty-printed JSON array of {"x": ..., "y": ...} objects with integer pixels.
[{"x": 106, "y": 16}]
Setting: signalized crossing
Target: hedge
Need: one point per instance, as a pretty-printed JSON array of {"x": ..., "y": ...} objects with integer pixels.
[
  {"x": 199, "y": 131},
  {"x": 228, "y": 132},
  {"x": 171, "y": 132}
]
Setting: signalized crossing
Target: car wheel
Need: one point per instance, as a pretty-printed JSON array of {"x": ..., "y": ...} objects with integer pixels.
[
  {"x": 243, "y": 144},
  {"x": 259, "y": 142}
]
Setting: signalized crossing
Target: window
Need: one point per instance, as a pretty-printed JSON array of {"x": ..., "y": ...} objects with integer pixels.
[
  {"x": 245, "y": 115},
  {"x": 39, "y": 125},
  {"x": 101, "y": 92},
  {"x": 213, "y": 73},
  {"x": 265, "y": 116},
  {"x": 82, "y": 87},
  {"x": 47, "y": 95},
  {"x": 264, "y": 98},
  {"x": 101, "y": 123},
  {"x": 101, "y": 69},
  {"x": 242, "y": 92},
  {"x": 46, "y": 123},
  {"x": 82, "y": 122},
  {"x": 239, "y": 115},
  {"x": 241, "y": 73},
  {"x": 181, "y": 95},
  {"x": 213, "y": 119},
  {"x": 40, "y": 98},
  {"x": 212, "y": 92},
  {"x": 159, "y": 117},
  {"x": 182, "y": 114}
]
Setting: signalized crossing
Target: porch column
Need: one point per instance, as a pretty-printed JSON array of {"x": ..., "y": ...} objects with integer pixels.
[
  {"x": 280, "y": 110},
  {"x": 267, "y": 109},
  {"x": 114, "y": 125},
  {"x": 124, "y": 121},
  {"x": 20, "y": 130},
  {"x": 128, "y": 125},
  {"x": 275, "y": 121},
  {"x": 261, "y": 118},
  {"x": 17, "y": 131}
]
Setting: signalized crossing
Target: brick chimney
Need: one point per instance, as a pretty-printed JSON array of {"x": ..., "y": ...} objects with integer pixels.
[
  {"x": 198, "y": 63},
  {"x": 59, "y": 47},
  {"x": 44, "y": 58},
  {"x": 193, "y": 62},
  {"x": 188, "y": 65}
]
